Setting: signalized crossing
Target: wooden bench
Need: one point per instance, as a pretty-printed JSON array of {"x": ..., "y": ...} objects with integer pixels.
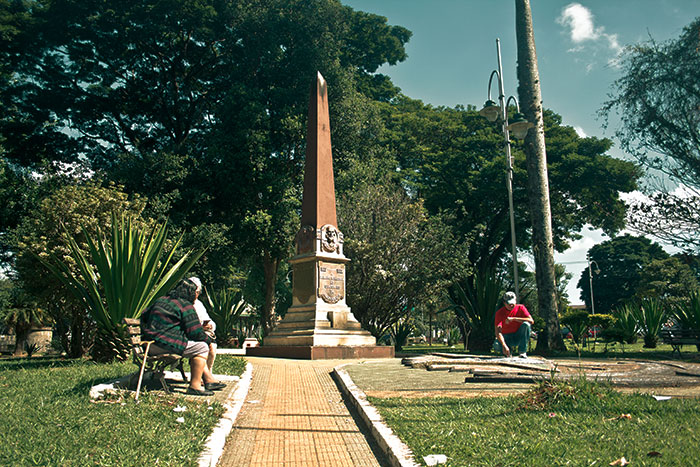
[
  {"x": 680, "y": 337},
  {"x": 154, "y": 364}
]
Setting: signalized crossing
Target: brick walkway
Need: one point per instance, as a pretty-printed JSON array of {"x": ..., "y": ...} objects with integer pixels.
[{"x": 294, "y": 415}]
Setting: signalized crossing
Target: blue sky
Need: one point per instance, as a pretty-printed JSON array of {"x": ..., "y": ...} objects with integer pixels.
[{"x": 453, "y": 51}]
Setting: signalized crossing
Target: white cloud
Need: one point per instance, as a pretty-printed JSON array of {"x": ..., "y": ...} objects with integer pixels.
[
  {"x": 580, "y": 132},
  {"x": 580, "y": 20},
  {"x": 580, "y": 23}
]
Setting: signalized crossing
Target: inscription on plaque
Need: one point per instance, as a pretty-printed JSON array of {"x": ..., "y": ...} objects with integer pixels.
[
  {"x": 331, "y": 281},
  {"x": 303, "y": 281}
]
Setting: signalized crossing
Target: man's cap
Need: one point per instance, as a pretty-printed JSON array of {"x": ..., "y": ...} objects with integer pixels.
[
  {"x": 196, "y": 282},
  {"x": 509, "y": 298}
]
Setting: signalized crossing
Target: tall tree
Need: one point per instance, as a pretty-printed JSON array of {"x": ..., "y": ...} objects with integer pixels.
[
  {"x": 657, "y": 101},
  {"x": 199, "y": 105},
  {"x": 621, "y": 268},
  {"x": 538, "y": 183},
  {"x": 401, "y": 257},
  {"x": 453, "y": 158}
]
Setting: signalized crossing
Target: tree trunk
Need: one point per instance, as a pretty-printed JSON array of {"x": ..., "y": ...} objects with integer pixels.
[
  {"x": 77, "y": 329},
  {"x": 538, "y": 184},
  {"x": 270, "y": 266}
]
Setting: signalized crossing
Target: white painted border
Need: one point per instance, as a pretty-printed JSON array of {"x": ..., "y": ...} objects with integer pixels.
[
  {"x": 214, "y": 445},
  {"x": 397, "y": 453}
]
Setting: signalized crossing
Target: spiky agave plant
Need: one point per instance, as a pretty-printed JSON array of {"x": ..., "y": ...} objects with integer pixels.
[
  {"x": 687, "y": 315},
  {"x": 225, "y": 309},
  {"x": 475, "y": 300},
  {"x": 652, "y": 315},
  {"x": 121, "y": 276}
]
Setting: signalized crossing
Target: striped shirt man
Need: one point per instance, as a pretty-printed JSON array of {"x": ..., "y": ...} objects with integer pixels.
[{"x": 171, "y": 323}]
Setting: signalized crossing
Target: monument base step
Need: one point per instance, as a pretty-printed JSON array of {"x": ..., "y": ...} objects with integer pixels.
[{"x": 317, "y": 352}]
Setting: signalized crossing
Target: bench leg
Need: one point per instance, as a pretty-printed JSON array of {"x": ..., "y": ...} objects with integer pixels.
[
  {"x": 676, "y": 349},
  {"x": 161, "y": 377},
  {"x": 182, "y": 372},
  {"x": 143, "y": 367}
]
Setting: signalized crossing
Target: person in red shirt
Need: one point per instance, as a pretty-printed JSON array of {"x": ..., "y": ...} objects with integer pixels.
[{"x": 513, "y": 325}]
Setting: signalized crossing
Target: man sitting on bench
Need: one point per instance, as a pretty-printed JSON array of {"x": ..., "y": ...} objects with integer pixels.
[{"x": 174, "y": 326}]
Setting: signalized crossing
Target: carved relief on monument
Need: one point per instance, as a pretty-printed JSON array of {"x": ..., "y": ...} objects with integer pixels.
[
  {"x": 331, "y": 281},
  {"x": 305, "y": 239},
  {"x": 330, "y": 239}
]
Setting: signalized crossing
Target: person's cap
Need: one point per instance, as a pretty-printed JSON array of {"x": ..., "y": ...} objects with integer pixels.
[
  {"x": 509, "y": 298},
  {"x": 196, "y": 282}
]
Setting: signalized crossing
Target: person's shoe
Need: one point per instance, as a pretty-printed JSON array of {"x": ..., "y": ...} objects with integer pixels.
[
  {"x": 198, "y": 392},
  {"x": 214, "y": 386},
  {"x": 522, "y": 355}
]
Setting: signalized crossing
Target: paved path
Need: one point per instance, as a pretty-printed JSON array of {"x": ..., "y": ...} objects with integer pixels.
[{"x": 294, "y": 415}]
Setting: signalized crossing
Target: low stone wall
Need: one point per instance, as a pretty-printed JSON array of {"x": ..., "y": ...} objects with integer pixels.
[
  {"x": 7, "y": 344},
  {"x": 42, "y": 338}
]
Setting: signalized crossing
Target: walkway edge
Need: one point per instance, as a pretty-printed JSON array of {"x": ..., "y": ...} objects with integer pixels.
[
  {"x": 214, "y": 445},
  {"x": 397, "y": 453}
]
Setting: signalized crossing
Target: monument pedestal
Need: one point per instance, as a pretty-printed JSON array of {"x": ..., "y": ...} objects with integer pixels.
[{"x": 319, "y": 324}]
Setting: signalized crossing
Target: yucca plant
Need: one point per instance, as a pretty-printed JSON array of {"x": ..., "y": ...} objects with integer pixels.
[
  {"x": 400, "y": 332},
  {"x": 626, "y": 324},
  {"x": 475, "y": 300},
  {"x": 687, "y": 315},
  {"x": 120, "y": 277},
  {"x": 651, "y": 317},
  {"x": 225, "y": 309}
]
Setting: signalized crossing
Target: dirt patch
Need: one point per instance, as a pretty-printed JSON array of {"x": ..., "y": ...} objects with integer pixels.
[{"x": 473, "y": 376}]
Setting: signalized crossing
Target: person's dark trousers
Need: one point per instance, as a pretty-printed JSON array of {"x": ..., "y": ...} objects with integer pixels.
[{"x": 518, "y": 339}]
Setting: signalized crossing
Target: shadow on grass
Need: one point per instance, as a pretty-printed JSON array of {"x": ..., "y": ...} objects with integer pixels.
[{"x": 24, "y": 363}]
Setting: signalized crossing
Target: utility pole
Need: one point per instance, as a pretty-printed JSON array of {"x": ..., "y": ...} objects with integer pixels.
[{"x": 538, "y": 182}]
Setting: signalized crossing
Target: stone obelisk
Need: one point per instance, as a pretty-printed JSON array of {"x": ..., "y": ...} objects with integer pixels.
[{"x": 319, "y": 324}]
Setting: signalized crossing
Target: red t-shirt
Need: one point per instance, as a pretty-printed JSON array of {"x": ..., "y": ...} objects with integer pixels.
[{"x": 518, "y": 311}]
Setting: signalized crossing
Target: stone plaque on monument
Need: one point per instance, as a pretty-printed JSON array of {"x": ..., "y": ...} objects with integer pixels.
[
  {"x": 319, "y": 324},
  {"x": 331, "y": 281}
]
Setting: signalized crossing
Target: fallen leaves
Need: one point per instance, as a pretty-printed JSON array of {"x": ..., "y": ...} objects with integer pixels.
[
  {"x": 624, "y": 416},
  {"x": 621, "y": 461}
]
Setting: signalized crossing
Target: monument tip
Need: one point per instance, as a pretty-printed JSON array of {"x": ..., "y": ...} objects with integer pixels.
[{"x": 319, "y": 78}]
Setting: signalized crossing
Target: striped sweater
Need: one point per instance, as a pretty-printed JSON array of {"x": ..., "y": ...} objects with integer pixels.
[{"x": 171, "y": 323}]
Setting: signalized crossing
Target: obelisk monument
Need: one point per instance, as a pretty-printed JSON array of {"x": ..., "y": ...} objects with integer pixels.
[{"x": 319, "y": 324}]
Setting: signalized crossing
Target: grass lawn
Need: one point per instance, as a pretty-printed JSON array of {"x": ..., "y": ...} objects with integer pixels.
[
  {"x": 48, "y": 419},
  {"x": 574, "y": 424}
]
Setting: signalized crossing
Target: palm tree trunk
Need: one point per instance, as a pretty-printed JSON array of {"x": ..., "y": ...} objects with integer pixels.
[{"x": 538, "y": 184}]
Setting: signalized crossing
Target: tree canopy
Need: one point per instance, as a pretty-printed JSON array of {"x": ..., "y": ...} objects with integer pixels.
[
  {"x": 657, "y": 101},
  {"x": 196, "y": 110},
  {"x": 198, "y": 106},
  {"x": 621, "y": 268},
  {"x": 454, "y": 159}
]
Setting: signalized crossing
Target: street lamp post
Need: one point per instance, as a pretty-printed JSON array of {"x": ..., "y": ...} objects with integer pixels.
[
  {"x": 590, "y": 281},
  {"x": 519, "y": 126}
]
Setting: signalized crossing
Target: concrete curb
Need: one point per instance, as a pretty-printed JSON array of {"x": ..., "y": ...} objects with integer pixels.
[
  {"x": 396, "y": 452},
  {"x": 214, "y": 445}
]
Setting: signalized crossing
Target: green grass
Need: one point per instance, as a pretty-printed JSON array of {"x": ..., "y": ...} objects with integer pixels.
[
  {"x": 576, "y": 424},
  {"x": 48, "y": 419}
]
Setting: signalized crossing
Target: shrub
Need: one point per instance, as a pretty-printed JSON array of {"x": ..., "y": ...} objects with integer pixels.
[
  {"x": 578, "y": 322},
  {"x": 625, "y": 328},
  {"x": 687, "y": 315},
  {"x": 651, "y": 316}
]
